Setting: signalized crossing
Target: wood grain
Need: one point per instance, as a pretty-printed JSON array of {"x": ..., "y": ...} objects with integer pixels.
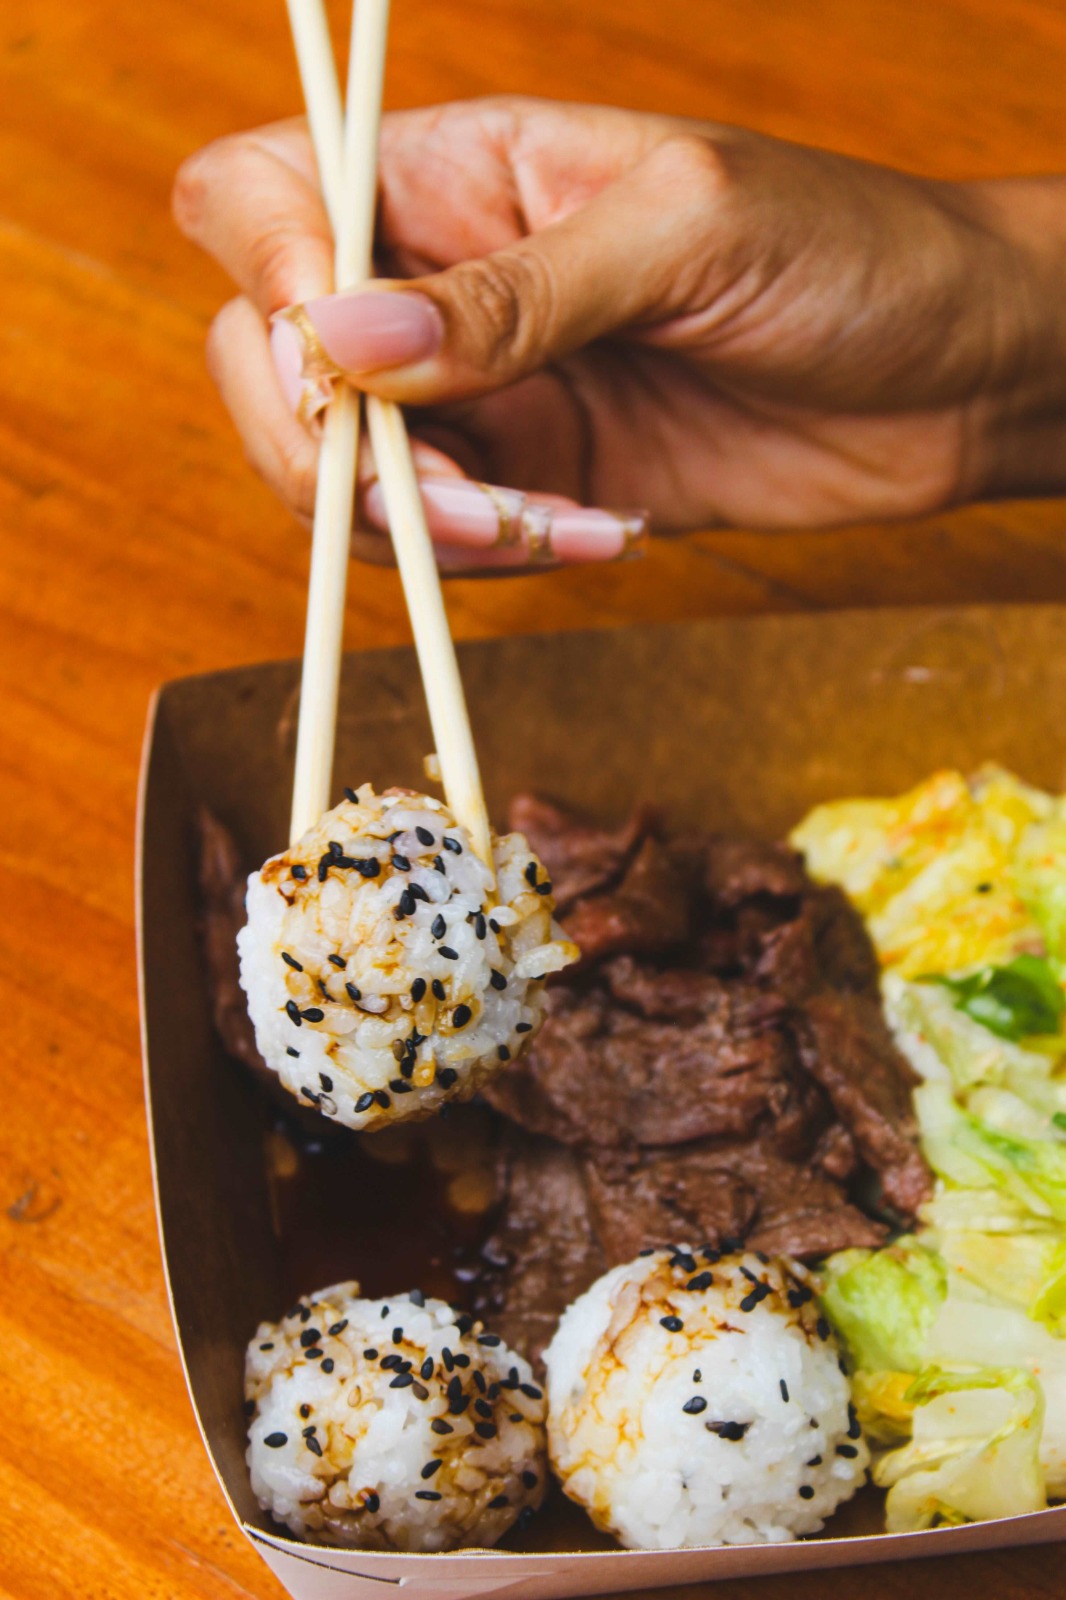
[{"x": 138, "y": 547}]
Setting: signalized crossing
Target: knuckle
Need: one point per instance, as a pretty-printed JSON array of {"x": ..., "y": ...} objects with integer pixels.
[
  {"x": 197, "y": 179},
  {"x": 513, "y": 297},
  {"x": 272, "y": 264},
  {"x": 694, "y": 166}
]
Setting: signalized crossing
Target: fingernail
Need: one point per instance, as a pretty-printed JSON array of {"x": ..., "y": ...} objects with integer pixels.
[
  {"x": 375, "y": 328},
  {"x": 287, "y": 350},
  {"x": 585, "y": 533},
  {"x": 474, "y": 515}
]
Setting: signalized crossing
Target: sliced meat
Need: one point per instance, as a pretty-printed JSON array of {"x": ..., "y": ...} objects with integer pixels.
[
  {"x": 544, "y": 1252},
  {"x": 649, "y": 912},
  {"x": 603, "y": 1072},
  {"x": 661, "y": 1197},
  {"x": 847, "y": 1048},
  {"x": 581, "y": 860},
  {"x": 736, "y": 870}
]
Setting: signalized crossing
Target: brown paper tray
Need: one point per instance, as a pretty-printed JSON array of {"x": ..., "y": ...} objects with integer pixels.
[{"x": 729, "y": 725}]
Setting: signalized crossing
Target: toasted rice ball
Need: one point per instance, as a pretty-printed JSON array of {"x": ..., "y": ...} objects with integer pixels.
[
  {"x": 697, "y": 1399},
  {"x": 382, "y": 975},
  {"x": 393, "y": 1424}
]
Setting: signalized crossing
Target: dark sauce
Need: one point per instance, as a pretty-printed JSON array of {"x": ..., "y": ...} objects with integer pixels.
[{"x": 410, "y": 1206}]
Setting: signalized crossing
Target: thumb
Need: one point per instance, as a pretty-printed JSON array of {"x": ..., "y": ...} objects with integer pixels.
[{"x": 631, "y": 255}]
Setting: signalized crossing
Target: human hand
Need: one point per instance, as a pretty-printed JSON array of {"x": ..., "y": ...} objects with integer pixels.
[{"x": 626, "y": 309}]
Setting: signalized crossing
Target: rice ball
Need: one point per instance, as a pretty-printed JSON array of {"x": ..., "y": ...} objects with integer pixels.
[
  {"x": 393, "y": 1424},
  {"x": 697, "y": 1399},
  {"x": 383, "y": 974}
]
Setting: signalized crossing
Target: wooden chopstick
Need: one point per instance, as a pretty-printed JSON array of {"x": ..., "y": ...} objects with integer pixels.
[{"x": 349, "y": 187}]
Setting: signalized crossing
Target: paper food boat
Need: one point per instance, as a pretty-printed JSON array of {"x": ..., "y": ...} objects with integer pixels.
[{"x": 737, "y": 726}]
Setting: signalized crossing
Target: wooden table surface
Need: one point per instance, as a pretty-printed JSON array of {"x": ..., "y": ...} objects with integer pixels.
[{"x": 138, "y": 547}]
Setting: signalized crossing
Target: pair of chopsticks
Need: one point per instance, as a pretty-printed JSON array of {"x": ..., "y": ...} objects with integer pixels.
[{"x": 346, "y": 149}]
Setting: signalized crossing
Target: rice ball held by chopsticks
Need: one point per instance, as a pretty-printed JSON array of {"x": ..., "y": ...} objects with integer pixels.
[{"x": 385, "y": 972}]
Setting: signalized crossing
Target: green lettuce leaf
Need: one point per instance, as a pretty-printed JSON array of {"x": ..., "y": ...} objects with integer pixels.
[
  {"x": 884, "y": 1302},
  {"x": 973, "y": 1452},
  {"x": 967, "y": 1151},
  {"x": 1013, "y": 1001}
]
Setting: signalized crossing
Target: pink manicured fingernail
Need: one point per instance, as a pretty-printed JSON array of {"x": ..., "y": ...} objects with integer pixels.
[
  {"x": 476, "y": 516},
  {"x": 375, "y": 328},
  {"x": 584, "y": 533},
  {"x": 287, "y": 349}
]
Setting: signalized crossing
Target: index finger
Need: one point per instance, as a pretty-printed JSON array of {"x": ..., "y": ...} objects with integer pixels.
[{"x": 253, "y": 202}]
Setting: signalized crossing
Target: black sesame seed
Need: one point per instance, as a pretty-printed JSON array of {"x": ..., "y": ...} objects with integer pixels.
[
  {"x": 461, "y": 1360},
  {"x": 448, "y": 953},
  {"x": 806, "y": 1492},
  {"x": 370, "y": 1355},
  {"x": 531, "y": 1391},
  {"x": 335, "y": 848},
  {"x": 529, "y": 1479},
  {"x": 455, "y": 1386},
  {"x": 303, "y": 1312},
  {"x": 438, "y": 926},
  {"x": 432, "y": 1466},
  {"x": 815, "y": 1461},
  {"x": 446, "y": 1076},
  {"x": 458, "y": 1404},
  {"x": 416, "y": 1297},
  {"x": 745, "y": 1272},
  {"x": 364, "y": 1102},
  {"x": 439, "y": 990},
  {"x": 309, "y": 1094},
  {"x": 984, "y": 888},
  {"x": 400, "y": 1086},
  {"x": 649, "y": 1250},
  {"x": 426, "y": 1370},
  {"x": 847, "y": 1450},
  {"x": 305, "y": 1410},
  {"x": 298, "y": 872},
  {"x": 516, "y": 1416},
  {"x": 543, "y": 888},
  {"x": 275, "y": 1440},
  {"x": 310, "y": 1336},
  {"x": 418, "y": 989},
  {"x": 400, "y": 862},
  {"x": 337, "y": 1328},
  {"x": 440, "y": 1426},
  {"x": 350, "y": 794},
  {"x": 337, "y": 961},
  {"x": 490, "y": 1339},
  {"x": 479, "y": 925},
  {"x": 402, "y": 1380},
  {"x": 292, "y": 1011},
  {"x": 324, "y": 864},
  {"x": 479, "y": 1380},
  {"x": 695, "y": 1405},
  {"x": 784, "y": 1390},
  {"x": 498, "y": 1501},
  {"x": 732, "y": 1432},
  {"x": 291, "y": 961},
  {"x": 424, "y": 836},
  {"x": 672, "y": 1324},
  {"x": 289, "y": 1051},
  {"x": 382, "y": 1099},
  {"x": 749, "y": 1302},
  {"x": 731, "y": 1243},
  {"x": 353, "y": 992},
  {"x": 531, "y": 872},
  {"x": 369, "y": 868},
  {"x": 315, "y": 1354},
  {"x": 397, "y": 1336},
  {"x": 523, "y": 1027},
  {"x": 452, "y": 844},
  {"x": 485, "y": 1430},
  {"x": 461, "y": 1015},
  {"x": 392, "y": 1360},
  {"x": 313, "y": 1014},
  {"x": 854, "y": 1430},
  {"x": 512, "y": 1379},
  {"x": 325, "y": 1080},
  {"x": 372, "y": 1501},
  {"x": 822, "y": 1328},
  {"x": 266, "y": 1347},
  {"x": 426, "y": 1494},
  {"x": 482, "y": 1408},
  {"x": 314, "y": 1446},
  {"x": 697, "y": 1376},
  {"x": 701, "y": 1281},
  {"x": 327, "y": 1365},
  {"x": 406, "y": 907},
  {"x": 448, "y": 1359},
  {"x": 497, "y": 979}
]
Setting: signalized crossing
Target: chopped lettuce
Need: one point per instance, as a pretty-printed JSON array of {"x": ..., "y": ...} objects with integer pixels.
[
  {"x": 884, "y": 1303},
  {"x": 1014, "y": 1001},
  {"x": 967, "y": 1151},
  {"x": 973, "y": 1451},
  {"x": 1040, "y": 879}
]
